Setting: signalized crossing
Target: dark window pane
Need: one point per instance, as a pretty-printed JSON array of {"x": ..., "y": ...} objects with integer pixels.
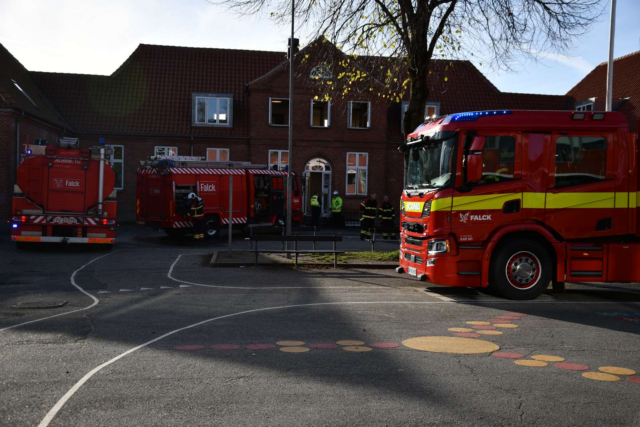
[
  {"x": 498, "y": 155},
  {"x": 580, "y": 160}
]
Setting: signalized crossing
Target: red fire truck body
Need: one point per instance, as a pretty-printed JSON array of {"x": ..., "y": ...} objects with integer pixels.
[
  {"x": 515, "y": 200},
  {"x": 58, "y": 197},
  {"x": 259, "y": 194}
]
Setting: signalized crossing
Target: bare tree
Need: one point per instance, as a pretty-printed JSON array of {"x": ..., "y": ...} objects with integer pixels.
[{"x": 400, "y": 38}]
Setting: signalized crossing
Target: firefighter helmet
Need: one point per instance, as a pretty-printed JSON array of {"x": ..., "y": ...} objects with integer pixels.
[{"x": 191, "y": 196}]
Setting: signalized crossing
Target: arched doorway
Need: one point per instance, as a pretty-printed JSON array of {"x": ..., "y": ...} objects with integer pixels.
[{"x": 317, "y": 178}]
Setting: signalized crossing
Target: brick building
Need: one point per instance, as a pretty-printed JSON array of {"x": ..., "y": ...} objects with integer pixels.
[{"x": 233, "y": 105}]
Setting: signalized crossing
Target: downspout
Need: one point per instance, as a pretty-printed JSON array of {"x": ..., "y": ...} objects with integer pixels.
[
  {"x": 18, "y": 120},
  {"x": 191, "y": 145}
]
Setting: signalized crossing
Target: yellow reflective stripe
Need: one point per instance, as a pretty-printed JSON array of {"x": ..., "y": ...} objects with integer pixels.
[
  {"x": 484, "y": 202},
  {"x": 442, "y": 204},
  {"x": 533, "y": 200},
  {"x": 580, "y": 200},
  {"x": 622, "y": 200},
  {"x": 632, "y": 200}
]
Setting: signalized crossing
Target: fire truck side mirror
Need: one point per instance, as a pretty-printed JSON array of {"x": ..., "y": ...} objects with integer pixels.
[{"x": 475, "y": 160}]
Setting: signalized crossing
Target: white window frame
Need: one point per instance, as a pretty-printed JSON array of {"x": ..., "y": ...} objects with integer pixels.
[
  {"x": 358, "y": 168},
  {"x": 270, "y": 115},
  {"x": 585, "y": 107},
  {"x": 112, "y": 160},
  {"x": 405, "y": 106},
  {"x": 328, "y": 114},
  {"x": 207, "y": 97},
  {"x": 350, "y": 112},
  {"x": 279, "y": 158},
  {"x": 165, "y": 148},
  {"x": 217, "y": 151}
]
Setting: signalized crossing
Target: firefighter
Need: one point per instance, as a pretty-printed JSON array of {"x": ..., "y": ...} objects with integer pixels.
[
  {"x": 387, "y": 217},
  {"x": 336, "y": 209},
  {"x": 368, "y": 208},
  {"x": 197, "y": 215},
  {"x": 315, "y": 209}
]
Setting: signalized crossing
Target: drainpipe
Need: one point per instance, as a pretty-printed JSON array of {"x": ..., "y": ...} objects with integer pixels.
[
  {"x": 101, "y": 181},
  {"x": 191, "y": 145},
  {"x": 18, "y": 145}
]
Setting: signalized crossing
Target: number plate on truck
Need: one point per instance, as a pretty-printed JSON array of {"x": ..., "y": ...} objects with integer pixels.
[{"x": 413, "y": 271}]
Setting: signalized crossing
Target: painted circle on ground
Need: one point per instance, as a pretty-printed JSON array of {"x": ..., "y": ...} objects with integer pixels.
[
  {"x": 599, "y": 376},
  {"x": 294, "y": 349},
  {"x": 290, "y": 343},
  {"x": 547, "y": 358},
  {"x": 189, "y": 347},
  {"x": 489, "y": 332},
  {"x": 460, "y": 330},
  {"x": 484, "y": 328},
  {"x": 466, "y": 335},
  {"x": 451, "y": 345},
  {"x": 224, "y": 347},
  {"x": 260, "y": 346},
  {"x": 477, "y": 322},
  {"x": 384, "y": 345},
  {"x": 516, "y": 314},
  {"x": 571, "y": 366},
  {"x": 507, "y": 355},
  {"x": 616, "y": 371},
  {"x": 505, "y": 325},
  {"x": 499, "y": 321},
  {"x": 532, "y": 363},
  {"x": 357, "y": 348},
  {"x": 350, "y": 342},
  {"x": 634, "y": 379},
  {"x": 323, "y": 345}
]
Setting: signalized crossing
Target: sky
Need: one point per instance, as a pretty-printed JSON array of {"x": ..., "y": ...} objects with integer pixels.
[{"x": 97, "y": 36}]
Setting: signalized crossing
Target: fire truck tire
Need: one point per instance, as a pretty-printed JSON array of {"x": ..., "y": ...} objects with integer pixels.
[
  {"x": 175, "y": 233},
  {"x": 520, "y": 270},
  {"x": 211, "y": 227}
]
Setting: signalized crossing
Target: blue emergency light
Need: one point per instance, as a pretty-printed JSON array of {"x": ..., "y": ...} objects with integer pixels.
[
  {"x": 475, "y": 115},
  {"x": 101, "y": 141},
  {"x": 14, "y": 225}
]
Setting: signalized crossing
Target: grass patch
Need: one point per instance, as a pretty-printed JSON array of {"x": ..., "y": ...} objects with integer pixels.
[{"x": 361, "y": 256}]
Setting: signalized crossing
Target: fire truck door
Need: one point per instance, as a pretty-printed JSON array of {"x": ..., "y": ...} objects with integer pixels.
[
  {"x": 152, "y": 204},
  {"x": 580, "y": 200},
  {"x": 277, "y": 205}
]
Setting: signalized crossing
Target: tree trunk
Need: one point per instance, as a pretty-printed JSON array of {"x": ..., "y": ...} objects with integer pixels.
[{"x": 414, "y": 116}]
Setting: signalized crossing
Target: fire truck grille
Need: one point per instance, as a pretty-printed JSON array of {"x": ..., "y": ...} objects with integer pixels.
[
  {"x": 414, "y": 227},
  {"x": 413, "y": 241},
  {"x": 413, "y": 258}
]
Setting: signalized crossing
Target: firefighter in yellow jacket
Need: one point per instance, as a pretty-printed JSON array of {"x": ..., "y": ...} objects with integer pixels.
[
  {"x": 197, "y": 216},
  {"x": 387, "y": 217},
  {"x": 369, "y": 210}
]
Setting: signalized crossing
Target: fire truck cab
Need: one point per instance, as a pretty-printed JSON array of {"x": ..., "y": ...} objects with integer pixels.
[{"x": 515, "y": 200}]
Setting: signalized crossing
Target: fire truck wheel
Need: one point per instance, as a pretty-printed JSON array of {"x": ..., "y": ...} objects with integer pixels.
[
  {"x": 212, "y": 227},
  {"x": 520, "y": 270}
]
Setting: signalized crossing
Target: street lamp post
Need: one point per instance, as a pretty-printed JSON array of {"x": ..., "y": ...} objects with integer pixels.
[
  {"x": 290, "y": 162},
  {"x": 612, "y": 34}
]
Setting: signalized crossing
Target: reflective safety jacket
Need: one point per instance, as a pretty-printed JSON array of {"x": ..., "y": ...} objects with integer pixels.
[
  {"x": 336, "y": 204},
  {"x": 386, "y": 212},
  {"x": 369, "y": 208},
  {"x": 197, "y": 208},
  {"x": 314, "y": 202}
]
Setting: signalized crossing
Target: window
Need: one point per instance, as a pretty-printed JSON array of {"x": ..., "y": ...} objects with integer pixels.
[
  {"x": 580, "y": 160},
  {"x": 166, "y": 151},
  {"x": 23, "y": 92},
  {"x": 430, "y": 109},
  {"x": 359, "y": 115},
  {"x": 218, "y": 154},
  {"x": 357, "y": 173},
  {"x": 278, "y": 112},
  {"x": 213, "y": 109},
  {"x": 278, "y": 159},
  {"x": 117, "y": 163},
  {"x": 585, "y": 107},
  {"x": 321, "y": 72},
  {"x": 498, "y": 157},
  {"x": 320, "y": 114}
]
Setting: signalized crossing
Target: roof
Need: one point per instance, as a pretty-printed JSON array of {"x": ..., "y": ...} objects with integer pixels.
[
  {"x": 626, "y": 84},
  {"x": 151, "y": 93},
  {"x": 18, "y": 89}
]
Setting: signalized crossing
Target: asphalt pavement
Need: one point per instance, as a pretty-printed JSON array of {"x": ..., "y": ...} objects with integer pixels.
[{"x": 149, "y": 334}]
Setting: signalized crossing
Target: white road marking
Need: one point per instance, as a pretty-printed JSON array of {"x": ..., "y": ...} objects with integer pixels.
[
  {"x": 104, "y": 292},
  {"x": 185, "y": 286},
  {"x": 440, "y": 297},
  {"x": 73, "y": 282},
  {"x": 126, "y": 290},
  {"x": 145, "y": 289},
  {"x": 166, "y": 287}
]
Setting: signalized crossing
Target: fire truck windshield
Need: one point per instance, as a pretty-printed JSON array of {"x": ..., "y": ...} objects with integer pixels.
[{"x": 430, "y": 163}]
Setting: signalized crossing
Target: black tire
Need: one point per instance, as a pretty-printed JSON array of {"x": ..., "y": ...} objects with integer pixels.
[
  {"x": 211, "y": 227},
  {"x": 520, "y": 270},
  {"x": 176, "y": 233}
]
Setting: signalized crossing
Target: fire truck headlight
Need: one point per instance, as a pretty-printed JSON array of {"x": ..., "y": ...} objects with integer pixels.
[
  {"x": 438, "y": 247},
  {"x": 14, "y": 225},
  {"x": 426, "y": 210}
]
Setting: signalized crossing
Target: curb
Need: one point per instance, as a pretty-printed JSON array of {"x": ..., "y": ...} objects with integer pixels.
[{"x": 300, "y": 264}]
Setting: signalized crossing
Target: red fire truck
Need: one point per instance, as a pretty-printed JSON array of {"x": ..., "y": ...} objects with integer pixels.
[
  {"x": 60, "y": 195},
  {"x": 516, "y": 200},
  {"x": 259, "y": 194}
]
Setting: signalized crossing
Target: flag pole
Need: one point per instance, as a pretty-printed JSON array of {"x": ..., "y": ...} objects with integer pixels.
[{"x": 612, "y": 34}]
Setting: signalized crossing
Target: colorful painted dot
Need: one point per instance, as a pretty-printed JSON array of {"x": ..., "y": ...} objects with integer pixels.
[
  {"x": 599, "y": 376},
  {"x": 189, "y": 347},
  {"x": 505, "y": 325},
  {"x": 532, "y": 363},
  {"x": 634, "y": 379},
  {"x": 451, "y": 345},
  {"x": 350, "y": 342},
  {"x": 224, "y": 347},
  {"x": 290, "y": 343},
  {"x": 616, "y": 371},
  {"x": 477, "y": 322},
  {"x": 323, "y": 345},
  {"x": 571, "y": 366},
  {"x": 547, "y": 358},
  {"x": 294, "y": 349},
  {"x": 460, "y": 330},
  {"x": 489, "y": 332},
  {"x": 484, "y": 328},
  {"x": 466, "y": 335},
  {"x": 357, "y": 348},
  {"x": 384, "y": 345},
  {"x": 512, "y": 318},
  {"x": 507, "y": 355},
  {"x": 260, "y": 346}
]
